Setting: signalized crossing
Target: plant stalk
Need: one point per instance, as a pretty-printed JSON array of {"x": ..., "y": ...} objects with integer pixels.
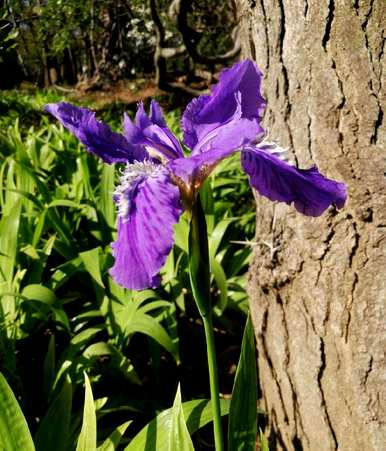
[
  {"x": 199, "y": 271},
  {"x": 213, "y": 381}
]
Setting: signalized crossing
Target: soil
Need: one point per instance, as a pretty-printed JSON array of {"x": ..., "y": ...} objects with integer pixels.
[{"x": 124, "y": 91}]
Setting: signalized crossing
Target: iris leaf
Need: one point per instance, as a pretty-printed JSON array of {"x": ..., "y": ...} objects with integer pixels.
[
  {"x": 88, "y": 435},
  {"x": 242, "y": 430},
  {"x": 179, "y": 438},
  {"x": 14, "y": 432},
  {"x": 112, "y": 441},
  {"x": 40, "y": 293},
  {"x": 53, "y": 432},
  {"x": 154, "y": 435}
]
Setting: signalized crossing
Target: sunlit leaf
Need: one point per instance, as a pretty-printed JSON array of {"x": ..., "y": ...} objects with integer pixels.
[
  {"x": 242, "y": 429},
  {"x": 39, "y": 293},
  {"x": 147, "y": 325},
  {"x": 14, "y": 432},
  {"x": 112, "y": 441},
  {"x": 217, "y": 235},
  {"x": 197, "y": 413},
  {"x": 179, "y": 438},
  {"x": 106, "y": 190},
  {"x": 53, "y": 432},
  {"x": 87, "y": 439},
  {"x": 90, "y": 260},
  {"x": 263, "y": 441}
]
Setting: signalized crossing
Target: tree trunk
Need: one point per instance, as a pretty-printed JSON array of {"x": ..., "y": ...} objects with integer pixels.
[{"x": 318, "y": 286}]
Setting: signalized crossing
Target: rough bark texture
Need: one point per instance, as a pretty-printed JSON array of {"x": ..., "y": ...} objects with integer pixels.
[{"x": 318, "y": 286}]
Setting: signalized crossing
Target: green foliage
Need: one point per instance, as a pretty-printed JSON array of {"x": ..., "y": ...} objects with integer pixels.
[
  {"x": 199, "y": 259},
  {"x": 67, "y": 41},
  {"x": 215, "y": 21},
  {"x": 263, "y": 441},
  {"x": 178, "y": 438},
  {"x": 87, "y": 439},
  {"x": 53, "y": 432},
  {"x": 168, "y": 431},
  {"x": 156, "y": 434},
  {"x": 14, "y": 433},
  {"x": 242, "y": 430},
  {"x": 112, "y": 442},
  {"x": 61, "y": 314}
]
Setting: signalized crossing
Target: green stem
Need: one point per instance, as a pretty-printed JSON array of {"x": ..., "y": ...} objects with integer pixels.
[
  {"x": 199, "y": 271},
  {"x": 213, "y": 381}
]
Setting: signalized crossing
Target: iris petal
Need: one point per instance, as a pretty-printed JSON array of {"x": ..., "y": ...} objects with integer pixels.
[
  {"x": 238, "y": 88},
  {"x": 145, "y": 235},
  {"x": 156, "y": 114},
  {"x": 231, "y": 136},
  {"x": 152, "y": 132},
  {"x": 310, "y": 192},
  {"x": 194, "y": 170},
  {"x": 95, "y": 135}
]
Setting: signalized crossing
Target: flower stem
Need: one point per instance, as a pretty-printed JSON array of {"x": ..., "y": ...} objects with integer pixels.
[
  {"x": 213, "y": 381},
  {"x": 199, "y": 272}
]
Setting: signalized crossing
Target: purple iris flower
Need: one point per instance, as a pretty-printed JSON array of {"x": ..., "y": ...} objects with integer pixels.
[{"x": 159, "y": 180}]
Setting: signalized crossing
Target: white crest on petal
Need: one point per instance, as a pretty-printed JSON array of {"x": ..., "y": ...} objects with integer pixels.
[
  {"x": 131, "y": 176},
  {"x": 155, "y": 153},
  {"x": 276, "y": 150}
]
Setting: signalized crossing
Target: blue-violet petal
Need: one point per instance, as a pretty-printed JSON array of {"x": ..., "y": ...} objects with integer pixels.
[
  {"x": 148, "y": 207},
  {"x": 238, "y": 88},
  {"x": 96, "y": 135},
  {"x": 153, "y": 133},
  {"x": 309, "y": 191}
]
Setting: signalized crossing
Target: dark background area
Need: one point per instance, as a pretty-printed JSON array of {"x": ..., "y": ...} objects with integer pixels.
[{"x": 95, "y": 43}]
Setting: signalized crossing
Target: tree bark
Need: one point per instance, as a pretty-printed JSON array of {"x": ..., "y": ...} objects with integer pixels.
[{"x": 318, "y": 286}]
